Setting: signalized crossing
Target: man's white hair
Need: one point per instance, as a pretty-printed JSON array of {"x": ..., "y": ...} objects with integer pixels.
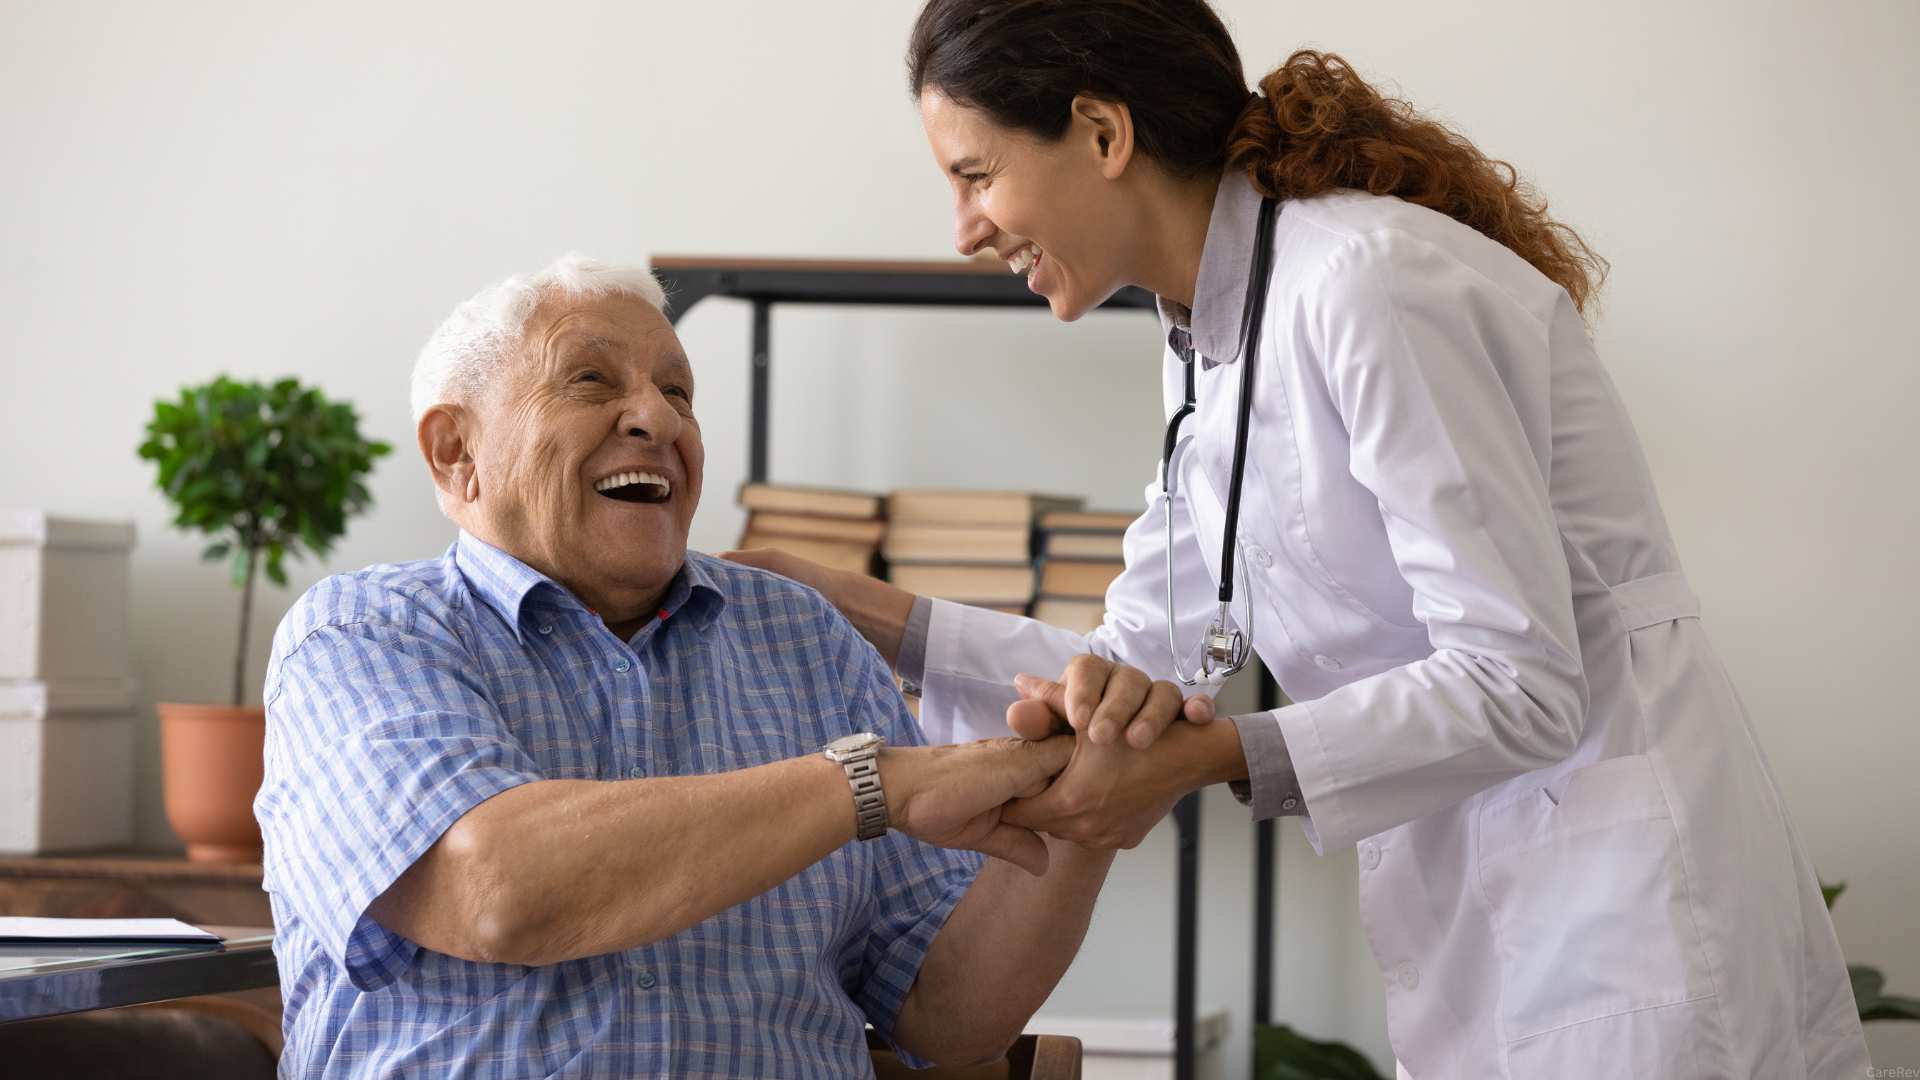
[{"x": 482, "y": 333}]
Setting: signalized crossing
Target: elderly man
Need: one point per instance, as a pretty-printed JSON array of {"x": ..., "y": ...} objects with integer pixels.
[{"x": 555, "y": 803}]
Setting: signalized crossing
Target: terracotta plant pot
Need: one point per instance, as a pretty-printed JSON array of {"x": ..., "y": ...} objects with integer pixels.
[{"x": 210, "y": 767}]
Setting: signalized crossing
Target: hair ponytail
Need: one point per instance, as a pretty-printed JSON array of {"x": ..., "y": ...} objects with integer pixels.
[{"x": 1317, "y": 125}]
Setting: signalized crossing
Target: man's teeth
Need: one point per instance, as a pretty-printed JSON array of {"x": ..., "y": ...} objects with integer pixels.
[
  {"x": 1024, "y": 259},
  {"x": 620, "y": 480}
]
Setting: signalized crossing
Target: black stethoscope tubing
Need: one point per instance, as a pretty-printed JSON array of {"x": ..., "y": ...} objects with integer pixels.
[{"x": 1252, "y": 311}]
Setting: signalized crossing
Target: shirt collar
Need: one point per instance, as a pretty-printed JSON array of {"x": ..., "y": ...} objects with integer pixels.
[
  {"x": 1213, "y": 324},
  {"x": 504, "y": 583}
]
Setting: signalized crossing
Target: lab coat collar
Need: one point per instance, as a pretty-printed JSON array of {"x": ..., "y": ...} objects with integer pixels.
[{"x": 1220, "y": 291}]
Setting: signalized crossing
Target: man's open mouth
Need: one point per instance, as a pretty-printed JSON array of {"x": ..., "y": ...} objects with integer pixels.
[{"x": 635, "y": 487}]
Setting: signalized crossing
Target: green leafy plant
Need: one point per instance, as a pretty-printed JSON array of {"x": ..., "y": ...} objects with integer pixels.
[
  {"x": 268, "y": 470},
  {"x": 1869, "y": 984},
  {"x": 1281, "y": 1053}
]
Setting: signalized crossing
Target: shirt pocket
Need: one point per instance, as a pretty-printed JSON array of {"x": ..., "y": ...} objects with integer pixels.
[{"x": 1594, "y": 920}]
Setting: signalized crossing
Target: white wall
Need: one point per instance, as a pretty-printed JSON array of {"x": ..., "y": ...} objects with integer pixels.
[{"x": 194, "y": 188}]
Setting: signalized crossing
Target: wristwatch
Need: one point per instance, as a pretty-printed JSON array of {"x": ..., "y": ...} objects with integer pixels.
[{"x": 859, "y": 755}]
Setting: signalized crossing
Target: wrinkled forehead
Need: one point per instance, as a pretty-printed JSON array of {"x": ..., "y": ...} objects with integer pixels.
[{"x": 622, "y": 330}]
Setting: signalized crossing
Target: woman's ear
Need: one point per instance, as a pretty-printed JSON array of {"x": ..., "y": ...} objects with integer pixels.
[
  {"x": 1106, "y": 127},
  {"x": 446, "y": 441}
]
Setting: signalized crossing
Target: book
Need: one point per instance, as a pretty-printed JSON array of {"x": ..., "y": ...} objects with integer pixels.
[
  {"x": 915, "y": 542},
  {"x": 1011, "y": 586},
  {"x": 958, "y": 506},
  {"x": 1078, "y": 580},
  {"x": 816, "y": 501},
  {"x": 1100, "y": 546},
  {"x": 1088, "y": 520},
  {"x": 16, "y": 928},
  {"x": 775, "y": 523},
  {"x": 1079, "y": 616},
  {"x": 838, "y": 554}
]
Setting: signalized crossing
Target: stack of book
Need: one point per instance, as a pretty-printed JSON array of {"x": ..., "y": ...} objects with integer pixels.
[
  {"x": 830, "y": 526},
  {"x": 1081, "y": 554},
  {"x": 973, "y": 547}
]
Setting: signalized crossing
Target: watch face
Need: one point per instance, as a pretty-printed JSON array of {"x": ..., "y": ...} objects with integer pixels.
[{"x": 853, "y": 744}]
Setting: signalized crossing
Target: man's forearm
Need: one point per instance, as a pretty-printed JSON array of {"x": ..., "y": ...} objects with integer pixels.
[
  {"x": 1001, "y": 952},
  {"x": 559, "y": 869}
]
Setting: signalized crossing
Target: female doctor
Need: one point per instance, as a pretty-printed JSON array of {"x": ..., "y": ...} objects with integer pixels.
[{"x": 1432, "y": 520}]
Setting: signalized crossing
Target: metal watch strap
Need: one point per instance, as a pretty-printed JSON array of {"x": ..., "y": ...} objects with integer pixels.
[{"x": 869, "y": 801}]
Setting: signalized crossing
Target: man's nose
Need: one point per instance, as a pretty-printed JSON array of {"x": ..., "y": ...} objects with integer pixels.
[{"x": 650, "y": 416}]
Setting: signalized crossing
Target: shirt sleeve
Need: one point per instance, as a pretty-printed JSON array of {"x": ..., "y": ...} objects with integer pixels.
[
  {"x": 1442, "y": 380},
  {"x": 915, "y": 885},
  {"x": 379, "y": 738},
  {"x": 1272, "y": 787}
]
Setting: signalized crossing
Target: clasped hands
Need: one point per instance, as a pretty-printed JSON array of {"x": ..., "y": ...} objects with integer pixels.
[{"x": 1097, "y": 760}]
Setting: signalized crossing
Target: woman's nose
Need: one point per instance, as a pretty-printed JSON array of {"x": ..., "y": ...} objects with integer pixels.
[{"x": 971, "y": 229}]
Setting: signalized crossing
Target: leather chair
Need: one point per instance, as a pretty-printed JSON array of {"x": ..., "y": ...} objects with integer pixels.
[{"x": 1032, "y": 1057}]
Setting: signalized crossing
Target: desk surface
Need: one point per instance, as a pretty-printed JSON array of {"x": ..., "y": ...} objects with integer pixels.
[{"x": 48, "y": 979}]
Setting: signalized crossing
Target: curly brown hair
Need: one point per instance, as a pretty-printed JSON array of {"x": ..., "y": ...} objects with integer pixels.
[{"x": 1315, "y": 125}]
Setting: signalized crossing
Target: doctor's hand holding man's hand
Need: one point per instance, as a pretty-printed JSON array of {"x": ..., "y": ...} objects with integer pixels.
[{"x": 1112, "y": 794}]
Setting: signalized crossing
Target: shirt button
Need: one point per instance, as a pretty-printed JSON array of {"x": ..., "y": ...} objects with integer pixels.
[
  {"x": 1261, "y": 556},
  {"x": 636, "y": 772},
  {"x": 1369, "y": 855},
  {"x": 1326, "y": 663},
  {"x": 1408, "y": 975},
  {"x": 623, "y": 665},
  {"x": 645, "y": 980},
  {"x": 546, "y": 628}
]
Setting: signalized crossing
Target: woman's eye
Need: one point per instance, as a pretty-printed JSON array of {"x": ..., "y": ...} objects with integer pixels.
[{"x": 589, "y": 376}]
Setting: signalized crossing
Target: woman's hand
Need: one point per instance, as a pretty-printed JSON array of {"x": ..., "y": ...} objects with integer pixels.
[
  {"x": 876, "y": 609},
  {"x": 1100, "y": 699},
  {"x": 1112, "y": 794}
]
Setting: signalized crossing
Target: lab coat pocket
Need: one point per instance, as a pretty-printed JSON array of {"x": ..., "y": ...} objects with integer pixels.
[{"x": 1598, "y": 951}]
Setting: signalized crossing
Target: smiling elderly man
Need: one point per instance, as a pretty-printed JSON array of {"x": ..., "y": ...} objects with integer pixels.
[{"x": 555, "y": 803}]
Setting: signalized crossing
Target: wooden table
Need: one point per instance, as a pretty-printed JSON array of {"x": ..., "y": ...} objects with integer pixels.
[{"x": 133, "y": 885}]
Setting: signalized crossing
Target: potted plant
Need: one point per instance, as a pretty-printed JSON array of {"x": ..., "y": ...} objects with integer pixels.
[{"x": 268, "y": 471}]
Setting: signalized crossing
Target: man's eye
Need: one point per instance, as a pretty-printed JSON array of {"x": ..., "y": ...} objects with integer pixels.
[
  {"x": 590, "y": 376},
  {"x": 681, "y": 390}
]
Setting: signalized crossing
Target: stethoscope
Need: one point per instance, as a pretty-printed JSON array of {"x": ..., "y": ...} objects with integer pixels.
[{"x": 1226, "y": 648}]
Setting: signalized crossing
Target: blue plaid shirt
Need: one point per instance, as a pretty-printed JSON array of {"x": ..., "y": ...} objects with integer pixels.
[{"x": 400, "y": 697}]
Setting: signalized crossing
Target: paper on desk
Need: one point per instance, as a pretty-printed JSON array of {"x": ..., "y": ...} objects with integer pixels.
[{"x": 14, "y": 928}]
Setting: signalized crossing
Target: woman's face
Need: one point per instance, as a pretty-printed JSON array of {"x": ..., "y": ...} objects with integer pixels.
[{"x": 1050, "y": 209}]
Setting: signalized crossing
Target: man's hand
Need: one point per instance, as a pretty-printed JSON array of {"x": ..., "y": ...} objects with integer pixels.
[
  {"x": 955, "y": 796},
  {"x": 1100, "y": 699},
  {"x": 1111, "y": 794}
]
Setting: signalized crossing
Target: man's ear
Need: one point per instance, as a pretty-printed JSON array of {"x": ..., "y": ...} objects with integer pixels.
[
  {"x": 1107, "y": 129},
  {"x": 447, "y": 442}
]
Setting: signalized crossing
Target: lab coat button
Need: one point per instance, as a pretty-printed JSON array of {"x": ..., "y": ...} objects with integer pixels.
[
  {"x": 1326, "y": 663},
  {"x": 1261, "y": 556},
  {"x": 1369, "y": 855},
  {"x": 1408, "y": 975}
]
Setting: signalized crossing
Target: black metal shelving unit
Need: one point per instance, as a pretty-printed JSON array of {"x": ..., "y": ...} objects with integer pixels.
[{"x": 950, "y": 283}]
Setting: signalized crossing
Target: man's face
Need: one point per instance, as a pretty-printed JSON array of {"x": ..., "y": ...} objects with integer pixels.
[{"x": 601, "y": 396}]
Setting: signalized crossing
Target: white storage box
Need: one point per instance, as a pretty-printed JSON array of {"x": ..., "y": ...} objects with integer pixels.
[
  {"x": 66, "y": 766},
  {"x": 63, "y": 597},
  {"x": 1137, "y": 1049}
]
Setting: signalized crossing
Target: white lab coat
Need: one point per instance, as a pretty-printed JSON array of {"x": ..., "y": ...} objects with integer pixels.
[{"x": 1574, "y": 859}]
